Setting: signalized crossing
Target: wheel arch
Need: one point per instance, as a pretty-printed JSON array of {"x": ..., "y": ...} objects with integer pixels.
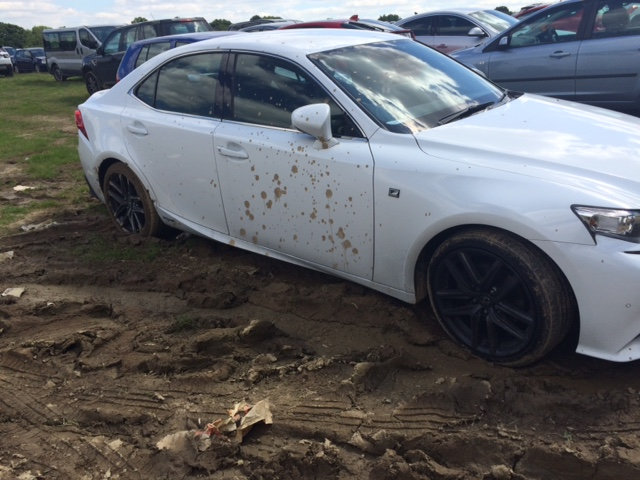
[
  {"x": 111, "y": 160},
  {"x": 424, "y": 257},
  {"x": 104, "y": 166}
]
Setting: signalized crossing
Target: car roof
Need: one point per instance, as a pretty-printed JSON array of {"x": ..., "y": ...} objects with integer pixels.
[
  {"x": 193, "y": 37},
  {"x": 267, "y": 25},
  {"x": 156, "y": 22},
  {"x": 291, "y": 42},
  {"x": 450, "y": 10},
  {"x": 65, "y": 29}
]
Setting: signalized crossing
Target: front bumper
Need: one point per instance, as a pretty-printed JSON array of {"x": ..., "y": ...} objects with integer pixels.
[{"x": 605, "y": 279}]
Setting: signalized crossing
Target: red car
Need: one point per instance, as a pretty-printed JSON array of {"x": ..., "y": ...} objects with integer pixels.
[
  {"x": 355, "y": 23},
  {"x": 534, "y": 7}
]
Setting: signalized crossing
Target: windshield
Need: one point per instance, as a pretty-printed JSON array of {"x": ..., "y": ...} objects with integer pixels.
[
  {"x": 101, "y": 32},
  {"x": 497, "y": 20},
  {"x": 405, "y": 86}
]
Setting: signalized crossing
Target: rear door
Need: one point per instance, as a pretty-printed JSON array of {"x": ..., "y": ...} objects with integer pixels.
[
  {"x": 69, "y": 62},
  {"x": 608, "y": 69},
  {"x": 168, "y": 127}
]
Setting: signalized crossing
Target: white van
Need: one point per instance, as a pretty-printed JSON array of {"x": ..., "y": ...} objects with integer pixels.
[{"x": 66, "y": 47}]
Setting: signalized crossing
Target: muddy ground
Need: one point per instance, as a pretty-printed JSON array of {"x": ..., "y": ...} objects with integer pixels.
[{"x": 120, "y": 351}]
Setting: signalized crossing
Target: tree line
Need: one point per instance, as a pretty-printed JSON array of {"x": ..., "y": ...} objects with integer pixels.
[{"x": 18, "y": 37}]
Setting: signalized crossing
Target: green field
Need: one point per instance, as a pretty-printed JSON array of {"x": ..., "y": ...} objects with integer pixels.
[{"x": 38, "y": 141}]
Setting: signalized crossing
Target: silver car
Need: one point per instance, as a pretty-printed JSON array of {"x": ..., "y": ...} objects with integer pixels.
[
  {"x": 582, "y": 50},
  {"x": 454, "y": 29}
]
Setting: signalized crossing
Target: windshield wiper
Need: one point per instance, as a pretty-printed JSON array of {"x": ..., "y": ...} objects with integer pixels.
[{"x": 466, "y": 112}]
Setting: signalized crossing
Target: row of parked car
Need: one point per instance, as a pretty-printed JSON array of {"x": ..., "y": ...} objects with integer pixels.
[
  {"x": 22, "y": 60},
  {"x": 583, "y": 50}
]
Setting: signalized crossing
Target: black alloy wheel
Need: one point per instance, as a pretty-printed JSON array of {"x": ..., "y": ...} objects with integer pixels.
[
  {"x": 57, "y": 74},
  {"x": 129, "y": 203},
  {"x": 499, "y": 296},
  {"x": 92, "y": 83}
]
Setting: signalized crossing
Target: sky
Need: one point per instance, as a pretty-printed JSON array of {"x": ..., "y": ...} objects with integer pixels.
[{"x": 59, "y": 13}]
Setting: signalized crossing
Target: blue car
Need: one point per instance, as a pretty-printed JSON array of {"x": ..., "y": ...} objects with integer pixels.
[
  {"x": 582, "y": 50},
  {"x": 30, "y": 60},
  {"x": 143, "y": 50}
]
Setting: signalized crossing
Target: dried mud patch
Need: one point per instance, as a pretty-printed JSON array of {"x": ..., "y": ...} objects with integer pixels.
[{"x": 118, "y": 342}]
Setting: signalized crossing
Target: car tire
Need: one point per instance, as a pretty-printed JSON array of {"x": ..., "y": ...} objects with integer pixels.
[
  {"x": 92, "y": 82},
  {"x": 499, "y": 296},
  {"x": 57, "y": 74},
  {"x": 129, "y": 203}
]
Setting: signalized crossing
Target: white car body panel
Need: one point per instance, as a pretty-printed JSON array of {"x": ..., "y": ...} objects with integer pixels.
[
  {"x": 365, "y": 209},
  {"x": 317, "y": 204},
  {"x": 169, "y": 165}
]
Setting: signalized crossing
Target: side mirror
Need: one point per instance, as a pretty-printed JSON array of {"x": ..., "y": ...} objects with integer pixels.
[
  {"x": 315, "y": 120},
  {"x": 476, "y": 32},
  {"x": 100, "y": 50}
]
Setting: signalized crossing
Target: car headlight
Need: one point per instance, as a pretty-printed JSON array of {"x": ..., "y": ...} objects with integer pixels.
[{"x": 611, "y": 222}]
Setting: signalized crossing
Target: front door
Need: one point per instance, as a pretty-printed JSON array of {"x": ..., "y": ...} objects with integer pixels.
[{"x": 279, "y": 190}]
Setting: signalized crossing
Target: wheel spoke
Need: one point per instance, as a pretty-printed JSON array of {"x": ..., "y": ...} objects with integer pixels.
[
  {"x": 507, "y": 287},
  {"x": 493, "y": 337},
  {"x": 477, "y": 321},
  {"x": 458, "y": 276},
  {"x": 489, "y": 277},
  {"x": 470, "y": 269},
  {"x": 464, "y": 310},
  {"x": 520, "y": 315},
  {"x": 453, "y": 294},
  {"x": 495, "y": 321},
  {"x": 137, "y": 221}
]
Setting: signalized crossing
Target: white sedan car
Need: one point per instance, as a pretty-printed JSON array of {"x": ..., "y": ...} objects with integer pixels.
[{"x": 382, "y": 161}]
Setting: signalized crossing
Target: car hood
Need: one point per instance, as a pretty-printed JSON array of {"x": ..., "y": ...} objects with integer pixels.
[
  {"x": 587, "y": 147},
  {"x": 464, "y": 52}
]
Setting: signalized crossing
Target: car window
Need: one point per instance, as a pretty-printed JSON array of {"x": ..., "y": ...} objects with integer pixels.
[
  {"x": 496, "y": 20},
  {"x": 87, "y": 39},
  {"x": 422, "y": 26},
  {"x": 129, "y": 37},
  {"x": 558, "y": 25},
  {"x": 184, "y": 85},
  {"x": 266, "y": 90},
  {"x": 452, "y": 25},
  {"x": 147, "y": 31},
  {"x": 67, "y": 41},
  {"x": 113, "y": 43},
  {"x": 616, "y": 18},
  {"x": 149, "y": 51},
  {"x": 101, "y": 32}
]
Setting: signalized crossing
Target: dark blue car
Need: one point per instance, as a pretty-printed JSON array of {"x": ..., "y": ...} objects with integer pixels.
[
  {"x": 30, "y": 60},
  {"x": 143, "y": 50}
]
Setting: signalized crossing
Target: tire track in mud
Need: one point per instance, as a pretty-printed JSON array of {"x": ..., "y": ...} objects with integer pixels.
[{"x": 94, "y": 371}]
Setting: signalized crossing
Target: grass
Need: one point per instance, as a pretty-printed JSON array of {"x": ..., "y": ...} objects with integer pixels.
[
  {"x": 99, "y": 250},
  {"x": 38, "y": 142}
]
